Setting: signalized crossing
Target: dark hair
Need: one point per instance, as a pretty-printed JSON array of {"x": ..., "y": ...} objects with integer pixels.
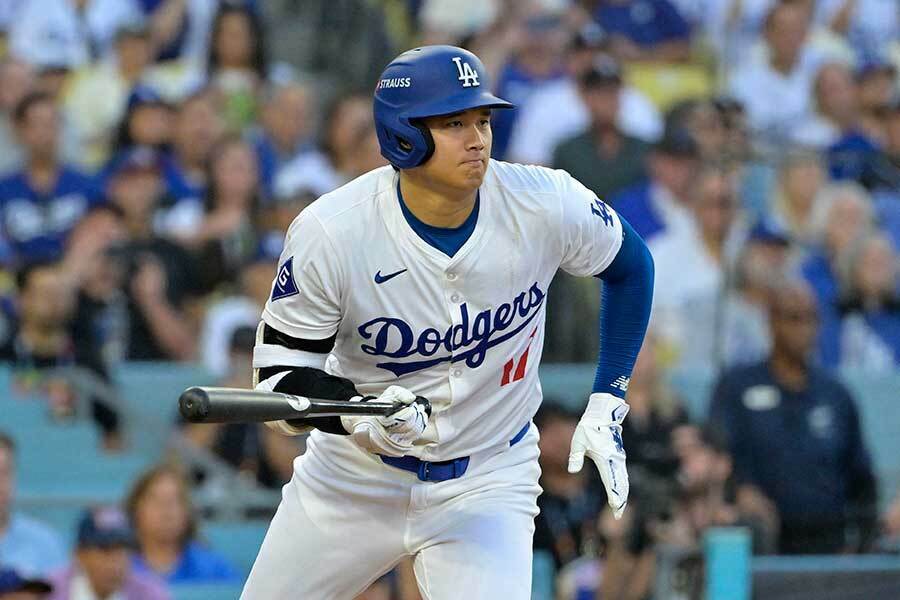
[
  {"x": 258, "y": 59},
  {"x": 143, "y": 484},
  {"x": 332, "y": 113},
  {"x": 26, "y": 270},
  {"x": 211, "y": 192},
  {"x": 7, "y": 443},
  {"x": 20, "y": 111}
]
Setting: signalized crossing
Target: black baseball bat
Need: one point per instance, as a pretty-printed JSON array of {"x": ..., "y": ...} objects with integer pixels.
[{"x": 233, "y": 405}]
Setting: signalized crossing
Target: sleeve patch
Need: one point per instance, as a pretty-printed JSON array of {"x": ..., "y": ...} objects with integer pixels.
[{"x": 284, "y": 283}]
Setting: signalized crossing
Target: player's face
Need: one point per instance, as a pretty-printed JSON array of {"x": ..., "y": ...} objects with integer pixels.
[{"x": 462, "y": 147}]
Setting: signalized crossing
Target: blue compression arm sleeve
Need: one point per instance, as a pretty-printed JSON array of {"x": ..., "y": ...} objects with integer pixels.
[{"x": 624, "y": 312}]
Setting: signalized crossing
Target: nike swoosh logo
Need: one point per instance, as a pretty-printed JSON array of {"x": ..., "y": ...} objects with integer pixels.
[{"x": 379, "y": 278}]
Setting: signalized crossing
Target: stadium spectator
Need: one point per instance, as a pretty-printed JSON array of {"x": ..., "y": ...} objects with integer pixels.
[
  {"x": 97, "y": 96},
  {"x": 101, "y": 311},
  {"x": 15, "y": 587},
  {"x": 341, "y": 42},
  {"x": 223, "y": 230},
  {"x": 42, "y": 341},
  {"x": 877, "y": 85},
  {"x": 730, "y": 27},
  {"x": 238, "y": 308},
  {"x": 870, "y": 306},
  {"x": 161, "y": 276},
  {"x": 644, "y": 30},
  {"x": 785, "y": 71},
  {"x": 148, "y": 121},
  {"x": 708, "y": 498},
  {"x": 256, "y": 451},
  {"x": 159, "y": 508},
  {"x": 180, "y": 29},
  {"x": 739, "y": 330},
  {"x": 836, "y": 112},
  {"x": 797, "y": 194},
  {"x": 794, "y": 434},
  {"x": 101, "y": 566},
  {"x": 17, "y": 78},
  {"x": 602, "y": 157},
  {"x": 556, "y": 111},
  {"x": 655, "y": 415},
  {"x": 843, "y": 214},
  {"x": 41, "y": 202},
  {"x": 351, "y": 144},
  {"x": 535, "y": 62},
  {"x": 704, "y": 122},
  {"x": 197, "y": 128},
  {"x": 660, "y": 202},
  {"x": 69, "y": 33},
  {"x": 887, "y": 165},
  {"x": 287, "y": 125},
  {"x": 868, "y": 25},
  {"x": 570, "y": 504},
  {"x": 26, "y": 545},
  {"x": 707, "y": 247},
  {"x": 236, "y": 66}
]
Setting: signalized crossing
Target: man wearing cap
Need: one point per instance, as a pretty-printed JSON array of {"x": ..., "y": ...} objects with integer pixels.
[
  {"x": 660, "y": 202},
  {"x": 13, "y": 586},
  {"x": 556, "y": 111},
  {"x": 102, "y": 566},
  {"x": 603, "y": 158}
]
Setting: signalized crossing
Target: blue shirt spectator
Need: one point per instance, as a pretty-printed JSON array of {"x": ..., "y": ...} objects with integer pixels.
[
  {"x": 31, "y": 547},
  {"x": 26, "y": 545},
  {"x": 196, "y": 564},
  {"x": 41, "y": 202},
  {"x": 644, "y": 22},
  {"x": 794, "y": 434}
]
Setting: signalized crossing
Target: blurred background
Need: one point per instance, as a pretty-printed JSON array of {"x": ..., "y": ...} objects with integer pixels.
[{"x": 153, "y": 153}]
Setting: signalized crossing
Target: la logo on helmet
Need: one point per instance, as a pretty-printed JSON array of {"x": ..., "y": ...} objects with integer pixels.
[{"x": 467, "y": 74}]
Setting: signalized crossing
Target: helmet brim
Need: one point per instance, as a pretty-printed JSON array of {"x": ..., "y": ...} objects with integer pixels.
[{"x": 456, "y": 104}]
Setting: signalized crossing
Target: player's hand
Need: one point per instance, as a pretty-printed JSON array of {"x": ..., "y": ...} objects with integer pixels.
[
  {"x": 599, "y": 435},
  {"x": 392, "y": 435}
]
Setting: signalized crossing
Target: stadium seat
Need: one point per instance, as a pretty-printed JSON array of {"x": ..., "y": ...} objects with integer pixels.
[
  {"x": 206, "y": 591},
  {"x": 238, "y": 541}
]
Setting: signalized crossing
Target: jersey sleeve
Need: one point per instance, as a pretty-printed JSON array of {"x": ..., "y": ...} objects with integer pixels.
[
  {"x": 305, "y": 301},
  {"x": 591, "y": 231}
]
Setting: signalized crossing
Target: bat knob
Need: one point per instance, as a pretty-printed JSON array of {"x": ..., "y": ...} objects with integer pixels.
[
  {"x": 425, "y": 403},
  {"x": 193, "y": 404}
]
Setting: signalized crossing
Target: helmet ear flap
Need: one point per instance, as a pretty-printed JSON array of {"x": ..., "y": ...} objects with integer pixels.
[{"x": 426, "y": 136}]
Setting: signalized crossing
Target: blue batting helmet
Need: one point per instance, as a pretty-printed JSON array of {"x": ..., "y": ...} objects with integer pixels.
[{"x": 426, "y": 82}]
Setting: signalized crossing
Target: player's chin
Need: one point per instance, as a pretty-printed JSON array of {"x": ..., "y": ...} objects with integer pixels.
[{"x": 473, "y": 171}]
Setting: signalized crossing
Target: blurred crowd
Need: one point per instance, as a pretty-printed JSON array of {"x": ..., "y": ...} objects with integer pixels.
[{"x": 153, "y": 153}]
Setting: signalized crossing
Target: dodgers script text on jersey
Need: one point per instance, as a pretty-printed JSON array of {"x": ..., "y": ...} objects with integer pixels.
[{"x": 464, "y": 331}]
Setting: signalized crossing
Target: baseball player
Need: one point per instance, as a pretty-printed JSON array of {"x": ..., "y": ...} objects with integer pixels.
[{"x": 429, "y": 277}]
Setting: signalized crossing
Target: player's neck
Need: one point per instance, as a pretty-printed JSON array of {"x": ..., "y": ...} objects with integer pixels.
[{"x": 435, "y": 204}]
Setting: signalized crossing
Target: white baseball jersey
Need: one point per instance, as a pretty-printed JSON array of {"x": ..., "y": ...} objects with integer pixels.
[{"x": 464, "y": 331}]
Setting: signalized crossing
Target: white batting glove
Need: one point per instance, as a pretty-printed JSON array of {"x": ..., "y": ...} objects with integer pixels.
[
  {"x": 392, "y": 435},
  {"x": 599, "y": 435}
]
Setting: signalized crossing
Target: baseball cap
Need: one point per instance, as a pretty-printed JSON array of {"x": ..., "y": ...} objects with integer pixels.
[
  {"x": 104, "y": 527},
  {"x": 604, "y": 70},
  {"x": 12, "y": 581},
  {"x": 678, "y": 142},
  {"x": 768, "y": 231},
  {"x": 142, "y": 95},
  {"x": 589, "y": 37},
  {"x": 135, "y": 159}
]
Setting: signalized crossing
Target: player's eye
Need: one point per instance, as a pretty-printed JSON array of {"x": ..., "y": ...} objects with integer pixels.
[
  {"x": 485, "y": 122},
  {"x": 456, "y": 123}
]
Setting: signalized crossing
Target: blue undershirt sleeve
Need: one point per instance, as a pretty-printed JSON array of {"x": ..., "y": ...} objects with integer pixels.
[{"x": 626, "y": 297}]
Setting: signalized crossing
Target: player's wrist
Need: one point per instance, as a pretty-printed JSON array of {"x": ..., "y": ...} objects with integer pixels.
[{"x": 606, "y": 407}]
